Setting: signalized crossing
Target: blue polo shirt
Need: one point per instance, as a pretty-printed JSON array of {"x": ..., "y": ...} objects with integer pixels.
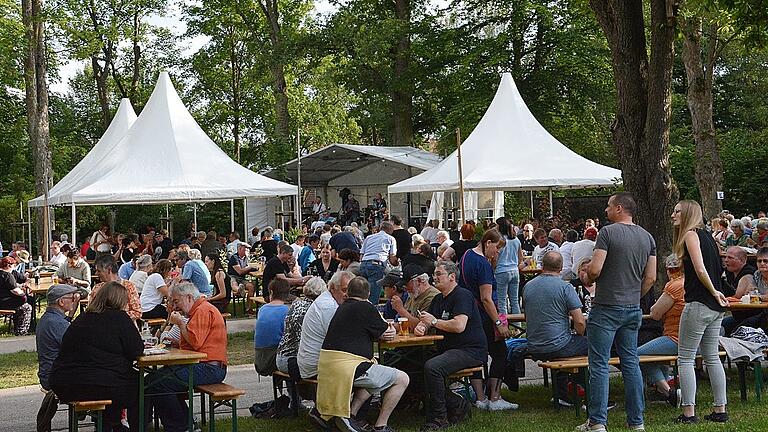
[
  {"x": 48, "y": 335},
  {"x": 125, "y": 271},
  {"x": 193, "y": 273}
]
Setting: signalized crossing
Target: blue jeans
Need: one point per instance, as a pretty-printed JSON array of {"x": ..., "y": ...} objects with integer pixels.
[
  {"x": 373, "y": 271},
  {"x": 171, "y": 409},
  {"x": 607, "y": 326},
  {"x": 575, "y": 347},
  {"x": 663, "y": 345},
  {"x": 508, "y": 283}
]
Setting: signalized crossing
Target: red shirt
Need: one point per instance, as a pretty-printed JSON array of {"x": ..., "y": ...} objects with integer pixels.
[{"x": 206, "y": 331}]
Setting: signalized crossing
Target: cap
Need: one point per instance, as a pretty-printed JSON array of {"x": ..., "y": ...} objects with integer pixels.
[
  {"x": 22, "y": 256},
  {"x": 392, "y": 279},
  {"x": 411, "y": 271},
  {"x": 244, "y": 244},
  {"x": 58, "y": 291}
]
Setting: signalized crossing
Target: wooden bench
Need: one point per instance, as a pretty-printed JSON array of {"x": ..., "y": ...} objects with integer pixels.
[
  {"x": 155, "y": 322},
  {"x": 97, "y": 406},
  {"x": 463, "y": 377},
  {"x": 7, "y": 315},
  {"x": 579, "y": 365},
  {"x": 278, "y": 378},
  {"x": 220, "y": 395}
]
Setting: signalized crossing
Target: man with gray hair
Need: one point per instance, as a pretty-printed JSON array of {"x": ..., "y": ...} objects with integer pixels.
[
  {"x": 377, "y": 249},
  {"x": 454, "y": 315},
  {"x": 203, "y": 331}
]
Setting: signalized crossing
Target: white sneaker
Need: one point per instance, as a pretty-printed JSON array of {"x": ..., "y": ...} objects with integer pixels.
[
  {"x": 482, "y": 404},
  {"x": 501, "y": 405},
  {"x": 586, "y": 427}
]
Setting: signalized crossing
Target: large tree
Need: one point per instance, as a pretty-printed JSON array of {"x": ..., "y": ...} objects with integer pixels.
[
  {"x": 643, "y": 77},
  {"x": 36, "y": 87}
]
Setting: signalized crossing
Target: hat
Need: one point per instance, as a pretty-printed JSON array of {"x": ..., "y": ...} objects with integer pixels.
[
  {"x": 411, "y": 272},
  {"x": 58, "y": 291},
  {"x": 590, "y": 233},
  {"x": 392, "y": 279},
  {"x": 22, "y": 256},
  {"x": 244, "y": 244}
]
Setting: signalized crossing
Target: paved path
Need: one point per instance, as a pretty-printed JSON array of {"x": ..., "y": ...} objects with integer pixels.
[{"x": 27, "y": 343}]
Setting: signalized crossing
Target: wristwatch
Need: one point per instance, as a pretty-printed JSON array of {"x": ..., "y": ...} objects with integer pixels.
[
  {"x": 497, "y": 322},
  {"x": 433, "y": 322}
]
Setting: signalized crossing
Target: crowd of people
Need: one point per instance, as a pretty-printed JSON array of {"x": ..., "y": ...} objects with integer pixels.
[{"x": 330, "y": 291}]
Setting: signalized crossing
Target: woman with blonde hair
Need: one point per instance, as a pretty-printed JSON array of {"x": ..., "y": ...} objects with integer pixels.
[{"x": 703, "y": 312}]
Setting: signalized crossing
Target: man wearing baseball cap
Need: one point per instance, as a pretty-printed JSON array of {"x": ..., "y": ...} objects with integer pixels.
[
  {"x": 62, "y": 303},
  {"x": 392, "y": 284},
  {"x": 420, "y": 293}
]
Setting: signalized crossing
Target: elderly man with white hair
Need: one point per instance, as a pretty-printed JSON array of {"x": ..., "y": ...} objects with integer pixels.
[{"x": 202, "y": 330}]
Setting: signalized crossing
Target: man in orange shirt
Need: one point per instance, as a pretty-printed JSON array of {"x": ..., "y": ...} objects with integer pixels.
[{"x": 203, "y": 332}]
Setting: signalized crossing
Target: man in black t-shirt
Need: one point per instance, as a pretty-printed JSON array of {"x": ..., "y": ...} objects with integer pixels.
[
  {"x": 454, "y": 315},
  {"x": 351, "y": 333},
  {"x": 343, "y": 240},
  {"x": 278, "y": 268},
  {"x": 402, "y": 237}
]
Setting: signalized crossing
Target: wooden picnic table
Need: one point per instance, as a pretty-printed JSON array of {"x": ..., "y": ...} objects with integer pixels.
[
  {"x": 174, "y": 356},
  {"x": 410, "y": 341},
  {"x": 259, "y": 300},
  {"x": 747, "y": 306},
  {"x": 530, "y": 271}
]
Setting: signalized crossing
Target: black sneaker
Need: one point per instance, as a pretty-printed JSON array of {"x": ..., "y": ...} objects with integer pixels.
[
  {"x": 436, "y": 424},
  {"x": 461, "y": 413},
  {"x": 565, "y": 403},
  {"x": 684, "y": 419},
  {"x": 717, "y": 417},
  {"x": 317, "y": 420},
  {"x": 673, "y": 399},
  {"x": 348, "y": 424},
  {"x": 384, "y": 428}
]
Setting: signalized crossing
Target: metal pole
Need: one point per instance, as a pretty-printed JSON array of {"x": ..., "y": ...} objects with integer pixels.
[
  {"x": 29, "y": 228},
  {"x": 46, "y": 224},
  {"x": 551, "y": 205},
  {"x": 245, "y": 217},
  {"x": 232, "y": 215},
  {"x": 194, "y": 217},
  {"x": 297, "y": 213},
  {"x": 531, "y": 204},
  {"x": 74, "y": 225},
  {"x": 461, "y": 177}
]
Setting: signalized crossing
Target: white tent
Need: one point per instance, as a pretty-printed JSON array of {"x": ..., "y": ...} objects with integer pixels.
[
  {"x": 509, "y": 150},
  {"x": 79, "y": 176},
  {"x": 165, "y": 157}
]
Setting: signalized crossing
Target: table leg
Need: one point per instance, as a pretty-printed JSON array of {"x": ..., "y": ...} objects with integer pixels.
[
  {"x": 191, "y": 389},
  {"x": 142, "y": 420}
]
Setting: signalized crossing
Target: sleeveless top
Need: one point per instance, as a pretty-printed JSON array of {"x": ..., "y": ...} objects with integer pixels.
[{"x": 695, "y": 291}]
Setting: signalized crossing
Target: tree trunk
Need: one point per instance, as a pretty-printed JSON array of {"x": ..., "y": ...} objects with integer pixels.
[
  {"x": 136, "y": 56},
  {"x": 277, "y": 68},
  {"x": 36, "y": 102},
  {"x": 234, "y": 60},
  {"x": 401, "y": 93},
  {"x": 641, "y": 128},
  {"x": 699, "y": 74}
]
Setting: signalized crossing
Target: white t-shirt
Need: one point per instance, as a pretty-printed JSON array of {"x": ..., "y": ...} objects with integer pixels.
[
  {"x": 566, "y": 250},
  {"x": 138, "y": 278},
  {"x": 296, "y": 250},
  {"x": 59, "y": 259},
  {"x": 538, "y": 251},
  {"x": 581, "y": 249},
  {"x": 150, "y": 295}
]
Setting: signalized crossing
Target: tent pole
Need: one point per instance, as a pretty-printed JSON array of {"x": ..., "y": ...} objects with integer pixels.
[
  {"x": 551, "y": 205},
  {"x": 531, "y": 204},
  {"x": 74, "y": 224},
  {"x": 461, "y": 176},
  {"x": 245, "y": 217},
  {"x": 231, "y": 215},
  {"x": 29, "y": 227},
  {"x": 297, "y": 213},
  {"x": 194, "y": 218}
]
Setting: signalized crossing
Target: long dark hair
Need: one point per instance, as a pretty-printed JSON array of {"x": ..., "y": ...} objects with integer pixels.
[
  {"x": 504, "y": 227},
  {"x": 216, "y": 263}
]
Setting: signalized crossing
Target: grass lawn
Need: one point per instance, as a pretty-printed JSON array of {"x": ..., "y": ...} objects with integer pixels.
[
  {"x": 20, "y": 369},
  {"x": 537, "y": 415}
]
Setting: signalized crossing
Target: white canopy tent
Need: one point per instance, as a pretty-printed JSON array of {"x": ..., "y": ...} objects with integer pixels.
[
  {"x": 500, "y": 153},
  {"x": 163, "y": 158}
]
